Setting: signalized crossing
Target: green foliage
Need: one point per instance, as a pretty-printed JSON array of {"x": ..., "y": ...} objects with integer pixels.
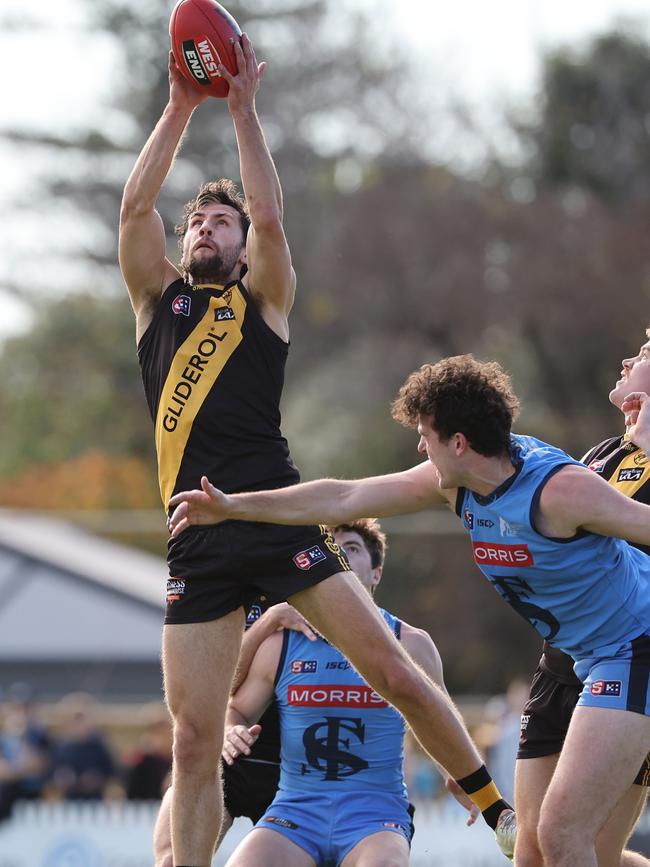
[{"x": 596, "y": 118}]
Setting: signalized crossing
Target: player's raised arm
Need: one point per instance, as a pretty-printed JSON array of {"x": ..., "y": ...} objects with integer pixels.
[
  {"x": 576, "y": 498},
  {"x": 142, "y": 252},
  {"x": 270, "y": 278},
  {"x": 326, "y": 501}
]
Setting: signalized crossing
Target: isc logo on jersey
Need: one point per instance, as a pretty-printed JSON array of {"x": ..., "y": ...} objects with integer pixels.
[{"x": 495, "y": 554}]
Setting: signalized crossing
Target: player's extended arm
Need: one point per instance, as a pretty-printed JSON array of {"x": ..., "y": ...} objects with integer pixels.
[
  {"x": 270, "y": 277},
  {"x": 281, "y": 616},
  {"x": 420, "y": 647},
  {"x": 575, "y": 498},
  {"x": 326, "y": 501},
  {"x": 250, "y": 701},
  {"x": 142, "y": 252}
]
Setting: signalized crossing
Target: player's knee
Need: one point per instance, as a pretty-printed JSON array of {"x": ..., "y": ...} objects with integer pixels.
[
  {"x": 194, "y": 746},
  {"x": 527, "y": 851},
  {"x": 557, "y": 837},
  {"x": 398, "y": 680},
  {"x": 164, "y": 859}
]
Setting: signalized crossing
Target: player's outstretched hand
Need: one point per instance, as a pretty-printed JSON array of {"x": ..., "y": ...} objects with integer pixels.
[
  {"x": 207, "y": 506},
  {"x": 636, "y": 407},
  {"x": 285, "y": 616},
  {"x": 238, "y": 740},
  {"x": 463, "y": 799},
  {"x": 181, "y": 92},
  {"x": 243, "y": 86}
]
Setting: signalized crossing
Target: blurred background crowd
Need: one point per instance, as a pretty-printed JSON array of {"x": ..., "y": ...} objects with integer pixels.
[{"x": 80, "y": 749}]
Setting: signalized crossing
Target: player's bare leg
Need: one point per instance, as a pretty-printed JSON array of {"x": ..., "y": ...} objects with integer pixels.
[
  {"x": 532, "y": 778},
  {"x": 266, "y": 848},
  {"x": 583, "y": 794},
  {"x": 162, "y": 832},
  {"x": 341, "y": 610},
  {"x": 199, "y": 660},
  {"x": 383, "y": 849},
  {"x": 611, "y": 841}
]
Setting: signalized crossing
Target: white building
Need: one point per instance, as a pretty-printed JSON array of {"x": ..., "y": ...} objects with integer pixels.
[{"x": 78, "y": 612}]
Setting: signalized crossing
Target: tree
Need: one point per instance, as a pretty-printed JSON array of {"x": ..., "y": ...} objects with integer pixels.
[{"x": 593, "y": 127}]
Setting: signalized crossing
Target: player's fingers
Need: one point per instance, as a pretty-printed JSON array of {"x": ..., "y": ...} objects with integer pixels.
[
  {"x": 209, "y": 488},
  {"x": 240, "y": 57},
  {"x": 306, "y": 630},
  {"x": 178, "y": 528},
  {"x": 225, "y": 74},
  {"x": 261, "y": 69}
]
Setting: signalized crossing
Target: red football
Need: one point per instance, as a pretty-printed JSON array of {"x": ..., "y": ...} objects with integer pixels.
[{"x": 203, "y": 35}]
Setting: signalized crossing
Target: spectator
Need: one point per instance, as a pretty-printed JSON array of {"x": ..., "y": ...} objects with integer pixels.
[
  {"x": 24, "y": 750},
  {"x": 148, "y": 766},
  {"x": 83, "y": 764}
]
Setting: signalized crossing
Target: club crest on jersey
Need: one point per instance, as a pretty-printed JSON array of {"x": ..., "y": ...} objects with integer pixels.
[
  {"x": 304, "y": 666},
  {"x": 640, "y": 459},
  {"x": 468, "y": 519},
  {"x": 610, "y": 688},
  {"x": 507, "y": 529},
  {"x": 630, "y": 474},
  {"x": 181, "y": 304},
  {"x": 306, "y": 559}
]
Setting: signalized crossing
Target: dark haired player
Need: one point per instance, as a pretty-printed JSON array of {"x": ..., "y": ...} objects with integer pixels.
[
  {"x": 555, "y": 688},
  {"x": 212, "y": 345},
  {"x": 547, "y": 533}
]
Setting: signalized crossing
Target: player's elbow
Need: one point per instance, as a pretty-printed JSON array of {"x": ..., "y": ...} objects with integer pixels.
[{"x": 266, "y": 217}]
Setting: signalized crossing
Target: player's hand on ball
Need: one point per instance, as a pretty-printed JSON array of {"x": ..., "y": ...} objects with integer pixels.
[
  {"x": 243, "y": 86},
  {"x": 207, "y": 506},
  {"x": 238, "y": 740},
  {"x": 181, "y": 92}
]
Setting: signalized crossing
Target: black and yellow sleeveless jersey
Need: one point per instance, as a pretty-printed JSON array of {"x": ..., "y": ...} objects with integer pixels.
[
  {"x": 213, "y": 373},
  {"x": 627, "y": 468}
]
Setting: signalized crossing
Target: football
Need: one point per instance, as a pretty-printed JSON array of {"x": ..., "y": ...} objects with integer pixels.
[{"x": 203, "y": 35}]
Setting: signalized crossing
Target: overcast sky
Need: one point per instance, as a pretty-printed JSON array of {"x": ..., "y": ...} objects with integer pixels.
[{"x": 488, "y": 52}]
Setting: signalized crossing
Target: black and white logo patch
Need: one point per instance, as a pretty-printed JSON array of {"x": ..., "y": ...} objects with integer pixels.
[{"x": 630, "y": 474}]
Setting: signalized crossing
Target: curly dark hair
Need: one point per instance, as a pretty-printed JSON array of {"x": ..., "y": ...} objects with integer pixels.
[
  {"x": 224, "y": 191},
  {"x": 461, "y": 395},
  {"x": 373, "y": 537}
]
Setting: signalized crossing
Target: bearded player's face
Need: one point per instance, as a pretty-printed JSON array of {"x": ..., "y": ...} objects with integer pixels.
[{"x": 213, "y": 245}]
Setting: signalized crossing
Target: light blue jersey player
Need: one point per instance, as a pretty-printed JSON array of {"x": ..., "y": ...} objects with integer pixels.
[
  {"x": 342, "y": 797},
  {"x": 587, "y": 594},
  {"x": 547, "y": 553}
]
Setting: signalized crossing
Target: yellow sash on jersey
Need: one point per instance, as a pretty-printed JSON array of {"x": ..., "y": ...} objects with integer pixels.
[{"x": 194, "y": 370}]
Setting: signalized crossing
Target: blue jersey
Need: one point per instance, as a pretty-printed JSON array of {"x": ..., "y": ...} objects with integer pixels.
[
  {"x": 586, "y": 595},
  {"x": 337, "y": 733}
]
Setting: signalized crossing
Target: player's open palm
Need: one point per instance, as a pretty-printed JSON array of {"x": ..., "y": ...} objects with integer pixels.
[
  {"x": 238, "y": 740},
  {"x": 636, "y": 407},
  {"x": 207, "y": 506}
]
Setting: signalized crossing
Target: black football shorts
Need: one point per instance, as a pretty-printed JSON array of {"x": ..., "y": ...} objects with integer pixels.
[{"x": 217, "y": 568}]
